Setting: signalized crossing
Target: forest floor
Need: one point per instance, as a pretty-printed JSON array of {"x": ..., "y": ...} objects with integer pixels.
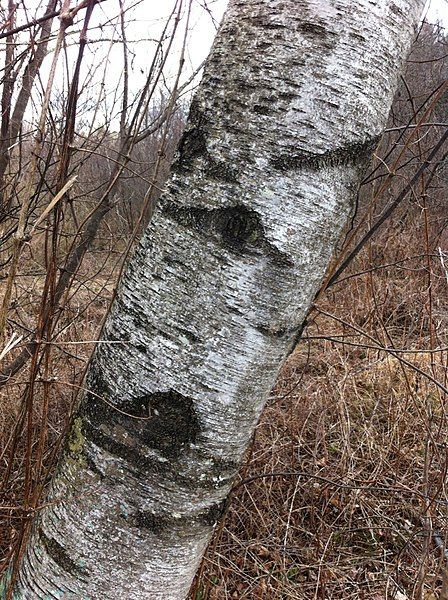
[{"x": 343, "y": 493}]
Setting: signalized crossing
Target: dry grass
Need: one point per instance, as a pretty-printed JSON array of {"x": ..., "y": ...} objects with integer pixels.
[
  {"x": 344, "y": 493},
  {"x": 343, "y": 496},
  {"x": 75, "y": 332}
]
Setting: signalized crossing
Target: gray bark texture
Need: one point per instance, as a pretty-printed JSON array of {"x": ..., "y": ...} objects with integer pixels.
[{"x": 293, "y": 100}]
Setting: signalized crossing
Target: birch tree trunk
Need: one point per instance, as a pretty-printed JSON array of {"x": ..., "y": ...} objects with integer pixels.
[{"x": 292, "y": 103}]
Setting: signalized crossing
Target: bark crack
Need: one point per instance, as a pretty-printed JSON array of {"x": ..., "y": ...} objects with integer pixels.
[
  {"x": 160, "y": 522},
  {"x": 60, "y": 556},
  {"x": 350, "y": 154}
]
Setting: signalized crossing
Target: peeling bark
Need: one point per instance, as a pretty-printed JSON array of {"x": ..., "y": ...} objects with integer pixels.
[{"x": 292, "y": 102}]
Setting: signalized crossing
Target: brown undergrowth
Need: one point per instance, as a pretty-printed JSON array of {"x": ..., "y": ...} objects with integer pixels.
[
  {"x": 344, "y": 492},
  {"x": 75, "y": 333},
  {"x": 343, "y": 495}
]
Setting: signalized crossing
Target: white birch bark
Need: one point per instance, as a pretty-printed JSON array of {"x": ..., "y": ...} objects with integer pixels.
[{"x": 293, "y": 100}]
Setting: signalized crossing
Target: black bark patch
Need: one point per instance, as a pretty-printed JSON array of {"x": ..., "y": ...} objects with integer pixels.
[
  {"x": 221, "y": 465},
  {"x": 143, "y": 466},
  {"x": 173, "y": 423},
  {"x": 265, "y": 22},
  {"x": 357, "y": 36},
  {"x": 396, "y": 9},
  {"x": 221, "y": 171},
  {"x": 145, "y": 519},
  {"x": 238, "y": 228},
  {"x": 164, "y": 421},
  {"x": 295, "y": 333},
  {"x": 263, "y": 110},
  {"x": 318, "y": 34},
  {"x": 287, "y": 95},
  {"x": 273, "y": 333},
  {"x": 93, "y": 467},
  {"x": 345, "y": 155},
  {"x": 245, "y": 87},
  {"x": 59, "y": 555},
  {"x": 313, "y": 29},
  {"x": 191, "y": 337},
  {"x": 157, "y": 523},
  {"x": 193, "y": 141},
  {"x": 135, "y": 459},
  {"x": 212, "y": 515},
  {"x": 191, "y": 145}
]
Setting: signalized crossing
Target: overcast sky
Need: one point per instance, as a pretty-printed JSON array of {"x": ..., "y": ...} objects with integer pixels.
[
  {"x": 145, "y": 22},
  {"x": 147, "y": 18},
  {"x": 437, "y": 10},
  {"x": 203, "y": 22}
]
